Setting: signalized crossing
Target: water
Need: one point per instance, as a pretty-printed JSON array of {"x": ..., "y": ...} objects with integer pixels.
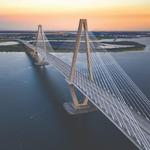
[
  {"x": 31, "y": 112},
  {"x": 8, "y": 43}
]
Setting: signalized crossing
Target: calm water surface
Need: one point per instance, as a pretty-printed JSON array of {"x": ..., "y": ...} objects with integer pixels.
[{"x": 31, "y": 112}]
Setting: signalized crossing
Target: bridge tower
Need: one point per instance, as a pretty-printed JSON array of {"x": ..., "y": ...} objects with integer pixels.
[
  {"x": 41, "y": 48},
  {"x": 76, "y": 106}
]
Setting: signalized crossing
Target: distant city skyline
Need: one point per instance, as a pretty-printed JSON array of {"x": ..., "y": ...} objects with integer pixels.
[{"x": 103, "y": 15}]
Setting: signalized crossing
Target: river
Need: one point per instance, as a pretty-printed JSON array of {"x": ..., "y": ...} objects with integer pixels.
[{"x": 31, "y": 112}]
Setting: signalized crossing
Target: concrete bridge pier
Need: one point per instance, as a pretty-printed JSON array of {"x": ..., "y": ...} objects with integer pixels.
[
  {"x": 77, "y": 106},
  {"x": 40, "y": 62}
]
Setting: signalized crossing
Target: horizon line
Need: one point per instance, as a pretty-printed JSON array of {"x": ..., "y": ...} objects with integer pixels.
[{"x": 74, "y": 30}]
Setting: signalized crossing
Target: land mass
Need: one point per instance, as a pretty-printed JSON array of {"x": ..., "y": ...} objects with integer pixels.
[{"x": 58, "y": 46}]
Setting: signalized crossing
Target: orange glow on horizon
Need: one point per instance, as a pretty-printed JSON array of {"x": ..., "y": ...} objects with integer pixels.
[{"x": 66, "y": 18}]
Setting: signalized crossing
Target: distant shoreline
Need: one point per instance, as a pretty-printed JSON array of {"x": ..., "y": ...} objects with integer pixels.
[{"x": 111, "y": 47}]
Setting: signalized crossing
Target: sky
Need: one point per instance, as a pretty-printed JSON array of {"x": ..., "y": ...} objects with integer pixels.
[{"x": 102, "y": 15}]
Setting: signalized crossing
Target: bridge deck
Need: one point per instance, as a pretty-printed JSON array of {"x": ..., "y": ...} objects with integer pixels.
[{"x": 114, "y": 108}]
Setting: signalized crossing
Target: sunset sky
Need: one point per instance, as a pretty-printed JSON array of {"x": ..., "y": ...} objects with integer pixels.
[{"x": 64, "y": 14}]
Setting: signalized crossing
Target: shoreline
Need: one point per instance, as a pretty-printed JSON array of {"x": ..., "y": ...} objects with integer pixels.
[{"x": 110, "y": 46}]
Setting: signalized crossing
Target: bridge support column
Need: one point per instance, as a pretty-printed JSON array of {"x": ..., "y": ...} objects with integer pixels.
[
  {"x": 39, "y": 51},
  {"x": 76, "y": 106},
  {"x": 40, "y": 44}
]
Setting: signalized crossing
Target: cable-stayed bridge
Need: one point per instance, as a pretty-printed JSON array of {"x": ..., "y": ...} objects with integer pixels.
[{"x": 104, "y": 84}]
